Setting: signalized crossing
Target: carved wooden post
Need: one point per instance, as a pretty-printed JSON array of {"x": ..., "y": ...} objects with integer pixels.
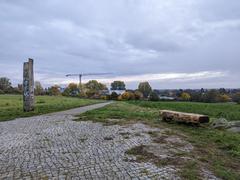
[{"x": 28, "y": 86}]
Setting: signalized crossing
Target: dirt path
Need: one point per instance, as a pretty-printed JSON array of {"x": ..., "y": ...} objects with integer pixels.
[{"x": 53, "y": 146}]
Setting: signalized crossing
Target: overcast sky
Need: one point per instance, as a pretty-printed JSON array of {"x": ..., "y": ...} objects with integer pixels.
[{"x": 170, "y": 43}]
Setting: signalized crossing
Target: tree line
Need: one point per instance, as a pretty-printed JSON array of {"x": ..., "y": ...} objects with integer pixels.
[
  {"x": 97, "y": 90},
  {"x": 205, "y": 95},
  {"x": 7, "y": 88}
]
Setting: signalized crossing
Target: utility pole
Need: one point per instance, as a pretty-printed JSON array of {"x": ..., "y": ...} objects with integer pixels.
[{"x": 80, "y": 82}]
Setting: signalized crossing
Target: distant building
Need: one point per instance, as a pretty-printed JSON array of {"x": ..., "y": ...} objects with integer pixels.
[
  {"x": 119, "y": 92},
  {"x": 166, "y": 98},
  {"x": 104, "y": 92}
]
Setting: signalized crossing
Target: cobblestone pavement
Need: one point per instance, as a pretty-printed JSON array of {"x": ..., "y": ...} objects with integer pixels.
[{"x": 53, "y": 146}]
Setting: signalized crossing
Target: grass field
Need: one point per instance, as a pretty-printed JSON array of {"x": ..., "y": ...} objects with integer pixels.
[
  {"x": 218, "y": 150},
  {"x": 11, "y": 105},
  {"x": 229, "y": 111}
]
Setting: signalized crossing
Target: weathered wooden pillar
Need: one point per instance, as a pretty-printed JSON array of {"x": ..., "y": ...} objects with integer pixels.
[{"x": 28, "y": 86}]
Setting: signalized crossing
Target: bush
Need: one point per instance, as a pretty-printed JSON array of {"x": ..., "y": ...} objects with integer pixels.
[
  {"x": 96, "y": 96},
  {"x": 103, "y": 97},
  {"x": 236, "y": 98},
  {"x": 127, "y": 96},
  {"x": 66, "y": 92},
  {"x": 1, "y": 92},
  {"x": 90, "y": 93},
  {"x": 138, "y": 95},
  {"x": 224, "y": 98},
  {"x": 114, "y": 96},
  {"x": 185, "y": 96},
  {"x": 82, "y": 94},
  {"x": 119, "y": 98},
  {"x": 196, "y": 97}
]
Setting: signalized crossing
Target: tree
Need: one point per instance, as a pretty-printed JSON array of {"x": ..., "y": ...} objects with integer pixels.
[
  {"x": 71, "y": 90},
  {"x": 5, "y": 84},
  {"x": 236, "y": 98},
  {"x": 185, "y": 96},
  {"x": 211, "y": 96},
  {"x": 179, "y": 92},
  {"x": 16, "y": 90},
  {"x": 224, "y": 98},
  {"x": 153, "y": 96},
  {"x": 118, "y": 85},
  {"x": 82, "y": 94},
  {"x": 11, "y": 90},
  {"x": 66, "y": 92},
  {"x": 90, "y": 93},
  {"x": 145, "y": 88},
  {"x": 202, "y": 90},
  {"x": 138, "y": 95},
  {"x": 222, "y": 91},
  {"x": 54, "y": 90},
  {"x": 20, "y": 88},
  {"x": 196, "y": 96},
  {"x": 94, "y": 87},
  {"x": 73, "y": 86},
  {"x": 38, "y": 88}
]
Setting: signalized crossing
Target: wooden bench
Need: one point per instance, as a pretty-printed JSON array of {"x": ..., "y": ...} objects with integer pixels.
[{"x": 183, "y": 117}]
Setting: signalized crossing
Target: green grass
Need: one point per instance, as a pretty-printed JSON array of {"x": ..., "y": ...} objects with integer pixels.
[
  {"x": 217, "y": 150},
  {"x": 11, "y": 105},
  {"x": 190, "y": 171},
  {"x": 220, "y": 150},
  {"x": 229, "y": 111},
  {"x": 121, "y": 110}
]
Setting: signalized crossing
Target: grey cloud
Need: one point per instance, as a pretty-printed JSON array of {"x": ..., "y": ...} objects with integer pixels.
[
  {"x": 218, "y": 10},
  {"x": 127, "y": 37},
  {"x": 145, "y": 41}
]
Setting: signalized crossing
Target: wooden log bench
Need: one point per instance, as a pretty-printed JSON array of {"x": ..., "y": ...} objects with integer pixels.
[{"x": 183, "y": 117}]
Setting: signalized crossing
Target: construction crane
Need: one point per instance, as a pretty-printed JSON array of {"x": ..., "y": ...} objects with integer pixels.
[{"x": 88, "y": 74}]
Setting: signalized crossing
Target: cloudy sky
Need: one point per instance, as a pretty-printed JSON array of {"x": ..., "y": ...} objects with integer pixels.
[{"x": 170, "y": 43}]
